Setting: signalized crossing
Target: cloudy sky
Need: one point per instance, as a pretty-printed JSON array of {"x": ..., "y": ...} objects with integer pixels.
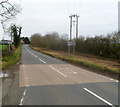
[{"x": 45, "y": 16}]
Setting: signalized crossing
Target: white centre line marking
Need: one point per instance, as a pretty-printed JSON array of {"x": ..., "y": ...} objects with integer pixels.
[
  {"x": 99, "y": 97},
  {"x": 57, "y": 71},
  {"x": 37, "y": 57},
  {"x": 42, "y": 61}
]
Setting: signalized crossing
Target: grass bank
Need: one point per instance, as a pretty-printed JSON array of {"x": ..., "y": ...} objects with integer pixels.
[
  {"x": 11, "y": 59},
  {"x": 94, "y": 63}
]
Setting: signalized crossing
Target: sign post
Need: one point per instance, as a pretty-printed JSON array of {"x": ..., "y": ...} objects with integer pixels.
[{"x": 9, "y": 43}]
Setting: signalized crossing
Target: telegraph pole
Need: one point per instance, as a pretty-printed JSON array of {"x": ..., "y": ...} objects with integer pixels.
[
  {"x": 77, "y": 26},
  {"x": 73, "y": 35}
]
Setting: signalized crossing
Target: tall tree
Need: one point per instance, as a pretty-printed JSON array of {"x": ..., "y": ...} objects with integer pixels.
[
  {"x": 16, "y": 33},
  {"x": 8, "y": 11}
]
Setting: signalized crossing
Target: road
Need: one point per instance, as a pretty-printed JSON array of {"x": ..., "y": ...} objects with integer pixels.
[{"x": 50, "y": 81}]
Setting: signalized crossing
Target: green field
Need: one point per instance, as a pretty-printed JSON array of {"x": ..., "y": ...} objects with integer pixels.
[{"x": 3, "y": 47}]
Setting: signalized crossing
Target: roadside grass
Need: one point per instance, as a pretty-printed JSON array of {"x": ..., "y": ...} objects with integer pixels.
[
  {"x": 11, "y": 59},
  {"x": 104, "y": 65}
]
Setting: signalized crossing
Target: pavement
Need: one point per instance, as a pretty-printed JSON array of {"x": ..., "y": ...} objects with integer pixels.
[{"x": 50, "y": 81}]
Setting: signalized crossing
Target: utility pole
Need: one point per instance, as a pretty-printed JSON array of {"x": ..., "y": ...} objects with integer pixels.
[
  {"x": 77, "y": 26},
  {"x": 73, "y": 35}
]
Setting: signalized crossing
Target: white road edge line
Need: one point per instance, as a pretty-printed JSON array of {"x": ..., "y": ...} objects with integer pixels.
[
  {"x": 114, "y": 80},
  {"x": 21, "y": 101},
  {"x": 26, "y": 78},
  {"x": 57, "y": 71},
  {"x": 105, "y": 101},
  {"x": 42, "y": 61},
  {"x": 35, "y": 56}
]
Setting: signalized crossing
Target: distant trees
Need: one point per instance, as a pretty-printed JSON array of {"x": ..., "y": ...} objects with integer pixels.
[
  {"x": 15, "y": 32},
  {"x": 106, "y": 46},
  {"x": 35, "y": 40},
  {"x": 25, "y": 40},
  {"x": 49, "y": 41}
]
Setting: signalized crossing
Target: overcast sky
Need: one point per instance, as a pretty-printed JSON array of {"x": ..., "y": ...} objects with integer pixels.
[{"x": 45, "y": 16}]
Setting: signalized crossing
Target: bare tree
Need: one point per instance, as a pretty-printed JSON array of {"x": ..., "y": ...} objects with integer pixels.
[
  {"x": 8, "y": 11},
  {"x": 16, "y": 33}
]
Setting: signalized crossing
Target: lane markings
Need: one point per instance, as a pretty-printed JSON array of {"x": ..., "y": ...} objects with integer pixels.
[
  {"x": 57, "y": 71},
  {"x": 37, "y": 57},
  {"x": 76, "y": 67},
  {"x": 85, "y": 71},
  {"x": 22, "y": 99},
  {"x": 105, "y": 101},
  {"x": 71, "y": 71},
  {"x": 42, "y": 61},
  {"x": 26, "y": 78},
  {"x": 116, "y": 81}
]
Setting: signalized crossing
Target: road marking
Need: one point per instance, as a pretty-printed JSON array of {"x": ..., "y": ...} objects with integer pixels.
[
  {"x": 71, "y": 71},
  {"x": 22, "y": 99},
  {"x": 26, "y": 78},
  {"x": 105, "y": 101},
  {"x": 24, "y": 93},
  {"x": 116, "y": 81},
  {"x": 57, "y": 71},
  {"x": 37, "y": 57},
  {"x": 42, "y": 61},
  {"x": 75, "y": 72}
]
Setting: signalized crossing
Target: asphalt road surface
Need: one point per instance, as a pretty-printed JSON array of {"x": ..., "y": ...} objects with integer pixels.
[{"x": 50, "y": 81}]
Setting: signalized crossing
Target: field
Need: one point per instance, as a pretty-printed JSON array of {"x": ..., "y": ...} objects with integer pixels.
[{"x": 3, "y": 47}]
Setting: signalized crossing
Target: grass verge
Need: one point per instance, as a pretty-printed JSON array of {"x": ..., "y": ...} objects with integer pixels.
[
  {"x": 105, "y": 66},
  {"x": 12, "y": 59}
]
